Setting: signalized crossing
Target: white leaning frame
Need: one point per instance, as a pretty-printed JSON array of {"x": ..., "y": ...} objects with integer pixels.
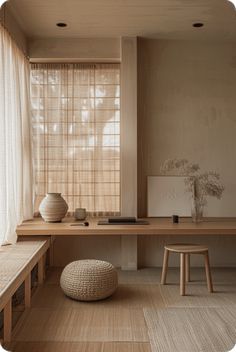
[{"x": 167, "y": 196}]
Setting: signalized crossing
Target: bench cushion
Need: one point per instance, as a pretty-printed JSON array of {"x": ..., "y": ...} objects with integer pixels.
[{"x": 16, "y": 262}]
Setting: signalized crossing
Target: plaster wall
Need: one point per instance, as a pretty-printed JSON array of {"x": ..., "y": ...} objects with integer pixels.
[
  {"x": 187, "y": 109},
  {"x": 10, "y": 23},
  {"x": 75, "y": 49}
]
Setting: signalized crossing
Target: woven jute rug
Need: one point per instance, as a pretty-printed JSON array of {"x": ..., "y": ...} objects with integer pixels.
[
  {"x": 192, "y": 329},
  {"x": 198, "y": 296}
]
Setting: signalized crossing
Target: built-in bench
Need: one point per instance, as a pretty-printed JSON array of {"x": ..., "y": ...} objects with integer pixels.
[{"x": 16, "y": 264}]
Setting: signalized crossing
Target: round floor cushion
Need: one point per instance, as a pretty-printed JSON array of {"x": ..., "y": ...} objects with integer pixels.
[{"x": 89, "y": 280}]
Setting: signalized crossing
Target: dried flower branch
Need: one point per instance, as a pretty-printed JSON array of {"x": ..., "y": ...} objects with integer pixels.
[
  {"x": 181, "y": 166},
  {"x": 201, "y": 185}
]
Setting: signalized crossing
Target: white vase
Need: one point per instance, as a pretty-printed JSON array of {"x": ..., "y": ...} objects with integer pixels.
[{"x": 53, "y": 207}]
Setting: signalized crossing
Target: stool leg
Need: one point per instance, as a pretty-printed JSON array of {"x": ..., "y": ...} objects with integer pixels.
[
  {"x": 208, "y": 272},
  {"x": 187, "y": 268},
  {"x": 164, "y": 267},
  {"x": 182, "y": 274}
]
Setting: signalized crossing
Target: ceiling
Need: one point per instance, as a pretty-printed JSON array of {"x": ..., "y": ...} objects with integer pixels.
[{"x": 170, "y": 19}]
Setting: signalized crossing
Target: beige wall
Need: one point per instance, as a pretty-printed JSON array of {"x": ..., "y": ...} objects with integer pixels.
[
  {"x": 75, "y": 49},
  {"x": 67, "y": 249},
  {"x": 129, "y": 126},
  {"x": 9, "y": 21},
  {"x": 187, "y": 109},
  {"x": 150, "y": 250}
]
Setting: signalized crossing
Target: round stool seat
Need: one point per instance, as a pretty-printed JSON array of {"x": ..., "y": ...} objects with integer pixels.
[
  {"x": 186, "y": 248},
  {"x": 89, "y": 280}
]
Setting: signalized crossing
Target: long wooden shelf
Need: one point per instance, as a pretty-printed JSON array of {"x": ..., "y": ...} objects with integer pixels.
[{"x": 157, "y": 226}]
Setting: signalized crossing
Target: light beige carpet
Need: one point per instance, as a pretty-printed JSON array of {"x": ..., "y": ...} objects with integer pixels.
[
  {"x": 192, "y": 329},
  {"x": 198, "y": 296}
]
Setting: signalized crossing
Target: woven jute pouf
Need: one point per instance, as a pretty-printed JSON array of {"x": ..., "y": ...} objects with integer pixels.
[{"x": 89, "y": 280}]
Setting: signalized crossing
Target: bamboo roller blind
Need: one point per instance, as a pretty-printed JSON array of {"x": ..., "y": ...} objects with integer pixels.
[{"x": 76, "y": 134}]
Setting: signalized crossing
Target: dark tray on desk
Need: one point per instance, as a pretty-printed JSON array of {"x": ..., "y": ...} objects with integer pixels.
[{"x": 137, "y": 222}]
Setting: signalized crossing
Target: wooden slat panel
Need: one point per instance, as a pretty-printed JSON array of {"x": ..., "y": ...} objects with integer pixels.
[
  {"x": 154, "y": 18},
  {"x": 126, "y": 296},
  {"x": 55, "y": 347},
  {"x": 78, "y": 347},
  {"x": 82, "y": 325}
]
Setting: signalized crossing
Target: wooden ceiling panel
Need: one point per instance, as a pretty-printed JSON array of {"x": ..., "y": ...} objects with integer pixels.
[{"x": 170, "y": 19}]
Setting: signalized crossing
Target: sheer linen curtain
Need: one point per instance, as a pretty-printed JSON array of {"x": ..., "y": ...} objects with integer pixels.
[
  {"x": 76, "y": 133},
  {"x": 16, "y": 189}
]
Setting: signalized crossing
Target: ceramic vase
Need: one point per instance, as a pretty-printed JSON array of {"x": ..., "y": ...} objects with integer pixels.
[{"x": 53, "y": 207}]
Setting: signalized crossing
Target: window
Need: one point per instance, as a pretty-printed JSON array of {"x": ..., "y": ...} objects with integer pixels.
[{"x": 76, "y": 134}]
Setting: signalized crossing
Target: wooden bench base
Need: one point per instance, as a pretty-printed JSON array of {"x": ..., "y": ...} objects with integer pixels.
[{"x": 16, "y": 264}]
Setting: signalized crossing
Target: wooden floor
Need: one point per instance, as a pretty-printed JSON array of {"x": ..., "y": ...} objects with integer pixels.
[{"x": 57, "y": 324}]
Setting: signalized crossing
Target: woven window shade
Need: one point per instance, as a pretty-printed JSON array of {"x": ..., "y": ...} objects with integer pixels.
[{"x": 76, "y": 134}]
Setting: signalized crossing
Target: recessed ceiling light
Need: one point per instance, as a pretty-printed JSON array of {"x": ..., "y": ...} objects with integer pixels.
[
  {"x": 2, "y": 2},
  {"x": 233, "y": 2},
  {"x": 198, "y": 25},
  {"x": 61, "y": 24}
]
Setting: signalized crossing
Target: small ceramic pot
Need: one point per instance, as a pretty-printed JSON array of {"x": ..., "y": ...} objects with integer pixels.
[
  {"x": 80, "y": 213},
  {"x": 53, "y": 207}
]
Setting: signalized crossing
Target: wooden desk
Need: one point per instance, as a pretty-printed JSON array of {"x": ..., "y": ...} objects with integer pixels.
[
  {"x": 157, "y": 226},
  {"x": 129, "y": 233}
]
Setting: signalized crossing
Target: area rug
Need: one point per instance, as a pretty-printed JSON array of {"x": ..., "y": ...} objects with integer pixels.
[
  {"x": 192, "y": 329},
  {"x": 82, "y": 325},
  {"x": 198, "y": 296}
]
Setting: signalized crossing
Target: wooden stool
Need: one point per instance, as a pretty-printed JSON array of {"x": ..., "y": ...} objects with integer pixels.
[{"x": 185, "y": 250}]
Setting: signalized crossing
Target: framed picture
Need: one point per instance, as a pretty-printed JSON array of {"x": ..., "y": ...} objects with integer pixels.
[{"x": 166, "y": 196}]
